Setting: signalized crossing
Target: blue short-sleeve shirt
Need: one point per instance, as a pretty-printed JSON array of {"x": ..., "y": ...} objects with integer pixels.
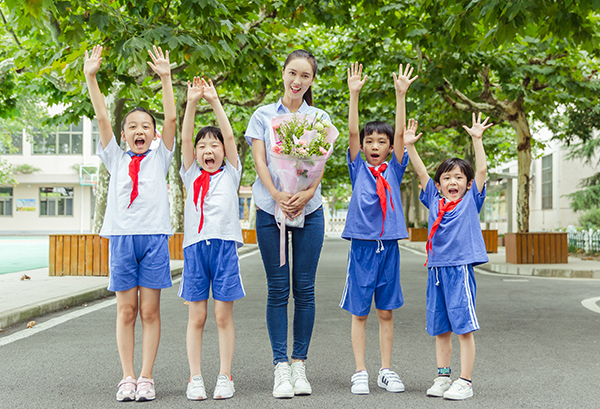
[
  {"x": 458, "y": 240},
  {"x": 365, "y": 217},
  {"x": 259, "y": 127}
]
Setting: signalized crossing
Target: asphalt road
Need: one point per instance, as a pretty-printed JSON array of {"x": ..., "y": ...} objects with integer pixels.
[{"x": 538, "y": 348}]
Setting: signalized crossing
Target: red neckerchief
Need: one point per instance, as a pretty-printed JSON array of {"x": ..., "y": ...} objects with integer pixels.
[
  {"x": 134, "y": 170},
  {"x": 443, "y": 208},
  {"x": 382, "y": 185},
  {"x": 202, "y": 182}
]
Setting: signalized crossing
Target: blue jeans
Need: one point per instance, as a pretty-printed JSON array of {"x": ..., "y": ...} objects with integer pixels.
[{"x": 306, "y": 249}]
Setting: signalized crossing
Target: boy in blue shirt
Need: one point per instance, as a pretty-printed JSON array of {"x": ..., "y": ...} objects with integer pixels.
[
  {"x": 375, "y": 223},
  {"x": 454, "y": 245}
]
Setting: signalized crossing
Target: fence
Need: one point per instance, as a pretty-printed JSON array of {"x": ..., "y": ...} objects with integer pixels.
[{"x": 587, "y": 240}]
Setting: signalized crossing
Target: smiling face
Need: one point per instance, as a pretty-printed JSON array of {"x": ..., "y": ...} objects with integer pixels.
[
  {"x": 453, "y": 184},
  {"x": 138, "y": 131},
  {"x": 376, "y": 148},
  {"x": 210, "y": 153},
  {"x": 298, "y": 76}
]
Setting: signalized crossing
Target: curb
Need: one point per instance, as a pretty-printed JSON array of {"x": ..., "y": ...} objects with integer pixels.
[{"x": 18, "y": 315}]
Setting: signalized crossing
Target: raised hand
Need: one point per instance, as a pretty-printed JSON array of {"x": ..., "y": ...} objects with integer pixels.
[
  {"x": 403, "y": 80},
  {"x": 92, "y": 63},
  {"x": 210, "y": 93},
  {"x": 409, "y": 134},
  {"x": 160, "y": 62},
  {"x": 195, "y": 90},
  {"x": 355, "y": 84},
  {"x": 476, "y": 131}
]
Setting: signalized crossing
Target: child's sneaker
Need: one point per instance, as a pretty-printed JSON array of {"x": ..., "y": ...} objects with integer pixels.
[
  {"x": 145, "y": 389},
  {"x": 440, "y": 385},
  {"x": 282, "y": 387},
  {"x": 299, "y": 381},
  {"x": 224, "y": 388},
  {"x": 126, "y": 390},
  {"x": 360, "y": 383},
  {"x": 459, "y": 390},
  {"x": 389, "y": 380},
  {"x": 195, "y": 388}
]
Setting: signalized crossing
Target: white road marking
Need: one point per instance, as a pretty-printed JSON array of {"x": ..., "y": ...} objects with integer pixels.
[
  {"x": 516, "y": 280},
  {"x": 75, "y": 314},
  {"x": 591, "y": 304},
  {"x": 54, "y": 322}
]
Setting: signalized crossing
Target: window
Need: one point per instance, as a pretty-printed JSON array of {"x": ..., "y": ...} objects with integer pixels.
[
  {"x": 547, "y": 182},
  {"x": 11, "y": 144},
  {"x": 6, "y": 200},
  {"x": 67, "y": 140},
  {"x": 56, "y": 201}
]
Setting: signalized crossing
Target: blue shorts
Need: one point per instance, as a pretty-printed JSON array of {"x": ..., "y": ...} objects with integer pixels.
[
  {"x": 451, "y": 300},
  {"x": 213, "y": 261},
  {"x": 373, "y": 268},
  {"x": 139, "y": 260}
]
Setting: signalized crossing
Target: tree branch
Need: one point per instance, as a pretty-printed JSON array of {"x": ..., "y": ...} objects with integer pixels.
[{"x": 10, "y": 30}]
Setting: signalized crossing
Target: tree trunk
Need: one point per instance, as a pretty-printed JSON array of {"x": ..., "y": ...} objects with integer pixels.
[
  {"x": 415, "y": 199},
  {"x": 521, "y": 126},
  {"x": 242, "y": 150},
  {"x": 175, "y": 182},
  {"x": 115, "y": 107}
]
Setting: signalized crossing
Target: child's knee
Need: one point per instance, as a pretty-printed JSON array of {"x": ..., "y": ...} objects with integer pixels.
[
  {"x": 127, "y": 314},
  {"x": 223, "y": 319},
  {"x": 360, "y": 318},
  {"x": 149, "y": 314},
  {"x": 385, "y": 315}
]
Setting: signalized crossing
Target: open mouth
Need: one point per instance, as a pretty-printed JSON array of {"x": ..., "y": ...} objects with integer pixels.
[
  {"x": 295, "y": 90},
  {"x": 139, "y": 142},
  {"x": 209, "y": 162},
  {"x": 453, "y": 191}
]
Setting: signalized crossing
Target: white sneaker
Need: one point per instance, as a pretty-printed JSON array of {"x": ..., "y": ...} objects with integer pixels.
[
  {"x": 440, "y": 385},
  {"x": 224, "y": 388},
  {"x": 390, "y": 381},
  {"x": 299, "y": 381},
  {"x": 282, "y": 387},
  {"x": 360, "y": 383},
  {"x": 195, "y": 388},
  {"x": 126, "y": 392},
  {"x": 459, "y": 390}
]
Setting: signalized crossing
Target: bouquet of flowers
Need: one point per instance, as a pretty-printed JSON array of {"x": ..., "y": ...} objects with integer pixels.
[{"x": 300, "y": 146}]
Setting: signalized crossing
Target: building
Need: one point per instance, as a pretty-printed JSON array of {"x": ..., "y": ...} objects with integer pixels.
[
  {"x": 50, "y": 196},
  {"x": 56, "y": 175},
  {"x": 553, "y": 177}
]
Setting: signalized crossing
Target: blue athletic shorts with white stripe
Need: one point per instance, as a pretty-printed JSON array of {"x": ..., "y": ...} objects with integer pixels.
[
  {"x": 139, "y": 260},
  {"x": 215, "y": 262},
  {"x": 373, "y": 270},
  {"x": 451, "y": 300}
]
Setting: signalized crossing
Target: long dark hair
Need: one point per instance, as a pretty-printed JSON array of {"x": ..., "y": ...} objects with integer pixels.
[{"x": 313, "y": 62}]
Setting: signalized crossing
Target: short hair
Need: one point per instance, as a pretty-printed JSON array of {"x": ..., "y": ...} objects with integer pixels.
[
  {"x": 449, "y": 164},
  {"x": 379, "y": 127},
  {"x": 141, "y": 109},
  {"x": 209, "y": 130},
  {"x": 294, "y": 55}
]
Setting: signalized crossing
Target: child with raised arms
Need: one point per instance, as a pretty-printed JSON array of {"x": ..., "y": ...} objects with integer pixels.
[
  {"x": 455, "y": 244},
  {"x": 212, "y": 235},
  {"x": 375, "y": 223},
  {"x": 137, "y": 220}
]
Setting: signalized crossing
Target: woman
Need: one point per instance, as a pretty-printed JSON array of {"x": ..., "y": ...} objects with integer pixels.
[{"x": 299, "y": 71}]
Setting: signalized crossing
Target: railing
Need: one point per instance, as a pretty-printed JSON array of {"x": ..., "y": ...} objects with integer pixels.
[{"x": 587, "y": 240}]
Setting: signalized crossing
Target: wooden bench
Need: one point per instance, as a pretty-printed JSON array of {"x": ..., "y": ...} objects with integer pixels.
[
  {"x": 490, "y": 237},
  {"x": 417, "y": 234},
  {"x": 87, "y": 254},
  {"x": 536, "y": 248}
]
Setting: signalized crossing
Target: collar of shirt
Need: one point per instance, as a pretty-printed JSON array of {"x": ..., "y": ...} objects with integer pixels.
[
  {"x": 282, "y": 109},
  {"x": 138, "y": 154},
  {"x": 378, "y": 166}
]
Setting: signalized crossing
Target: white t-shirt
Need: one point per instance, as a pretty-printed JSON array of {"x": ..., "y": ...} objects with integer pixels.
[
  {"x": 221, "y": 206},
  {"x": 149, "y": 212}
]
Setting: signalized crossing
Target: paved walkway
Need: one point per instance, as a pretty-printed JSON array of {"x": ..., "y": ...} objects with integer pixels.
[{"x": 22, "y": 300}]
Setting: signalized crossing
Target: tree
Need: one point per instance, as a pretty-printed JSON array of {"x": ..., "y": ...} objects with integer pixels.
[
  {"x": 227, "y": 41},
  {"x": 516, "y": 61}
]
